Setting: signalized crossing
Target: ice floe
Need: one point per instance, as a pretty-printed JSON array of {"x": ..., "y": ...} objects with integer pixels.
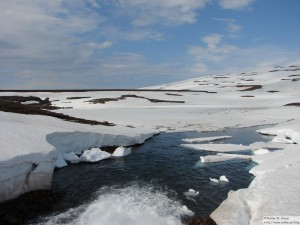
[
  {"x": 94, "y": 155},
  {"x": 222, "y": 179},
  {"x": 204, "y": 139},
  {"x": 217, "y": 147},
  {"x": 222, "y": 157},
  {"x": 191, "y": 193},
  {"x": 121, "y": 151}
]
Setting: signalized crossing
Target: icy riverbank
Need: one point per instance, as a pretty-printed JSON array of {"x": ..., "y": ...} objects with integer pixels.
[
  {"x": 275, "y": 189},
  {"x": 32, "y": 143}
]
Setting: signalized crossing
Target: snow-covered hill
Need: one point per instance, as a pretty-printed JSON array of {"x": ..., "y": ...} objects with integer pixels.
[{"x": 30, "y": 143}]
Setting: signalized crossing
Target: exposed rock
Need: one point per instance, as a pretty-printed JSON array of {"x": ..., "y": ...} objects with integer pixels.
[{"x": 203, "y": 221}]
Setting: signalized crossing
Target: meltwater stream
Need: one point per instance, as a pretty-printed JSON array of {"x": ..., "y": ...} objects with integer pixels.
[{"x": 147, "y": 186}]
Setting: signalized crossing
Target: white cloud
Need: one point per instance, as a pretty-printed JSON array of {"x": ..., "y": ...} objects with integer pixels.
[
  {"x": 163, "y": 12},
  {"x": 214, "y": 51},
  {"x": 228, "y": 58},
  {"x": 233, "y": 29},
  {"x": 212, "y": 40},
  {"x": 235, "y": 4}
]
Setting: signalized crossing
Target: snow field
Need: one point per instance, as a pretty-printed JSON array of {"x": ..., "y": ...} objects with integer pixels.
[{"x": 32, "y": 142}]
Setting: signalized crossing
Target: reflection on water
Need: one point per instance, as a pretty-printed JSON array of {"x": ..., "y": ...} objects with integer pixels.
[{"x": 166, "y": 166}]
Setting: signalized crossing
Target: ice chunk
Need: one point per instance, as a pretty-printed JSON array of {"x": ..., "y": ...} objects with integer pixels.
[
  {"x": 261, "y": 151},
  {"x": 121, "y": 151},
  {"x": 94, "y": 155},
  {"x": 222, "y": 157},
  {"x": 191, "y": 193},
  {"x": 71, "y": 157},
  {"x": 214, "y": 180},
  {"x": 223, "y": 179},
  {"x": 60, "y": 162}
]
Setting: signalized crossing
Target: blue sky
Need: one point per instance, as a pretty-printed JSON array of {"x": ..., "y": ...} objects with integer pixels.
[{"x": 137, "y": 43}]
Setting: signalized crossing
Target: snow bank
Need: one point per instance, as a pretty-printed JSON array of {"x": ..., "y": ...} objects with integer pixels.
[
  {"x": 121, "y": 151},
  {"x": 32, "y": 140},
  {"x": 275, "y": 189},
  {"x": 94, "y": 155}
]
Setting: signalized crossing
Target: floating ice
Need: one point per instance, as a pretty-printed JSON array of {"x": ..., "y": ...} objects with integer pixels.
[
  {"x": 223, "y": 179},
  {"x": 121, "y": 151},
  {"x": 71, "y": 157},
  {"x": 222, "y": 157},
  {"x": 203, "y": 139},
  {"x": 94, "y": 155},
  {"x": 217, "y": 147},
  {"x": 214, "y": 180},
  {"x": 191, "y": 193}
]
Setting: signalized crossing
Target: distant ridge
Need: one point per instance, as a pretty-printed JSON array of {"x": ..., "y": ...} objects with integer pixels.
[{"x": 88, "y": 90}]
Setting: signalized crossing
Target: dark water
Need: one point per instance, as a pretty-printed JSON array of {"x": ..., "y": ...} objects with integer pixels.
[{"x": 167, "y": 166}]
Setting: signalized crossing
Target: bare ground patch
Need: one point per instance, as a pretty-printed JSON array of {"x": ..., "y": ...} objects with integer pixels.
[
  {"x": 249, "y": 87},
  {"x": 75, "y": 98},
  {"x": 173, "y": 94},
  {"x": 293, "y": 104},
  {"x": 123, "y": 97},
  {"x": 14, "y": 104}
]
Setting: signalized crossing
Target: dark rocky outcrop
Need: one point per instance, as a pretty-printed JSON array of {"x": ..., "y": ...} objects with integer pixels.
[{"x": 203, "y": 221}]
